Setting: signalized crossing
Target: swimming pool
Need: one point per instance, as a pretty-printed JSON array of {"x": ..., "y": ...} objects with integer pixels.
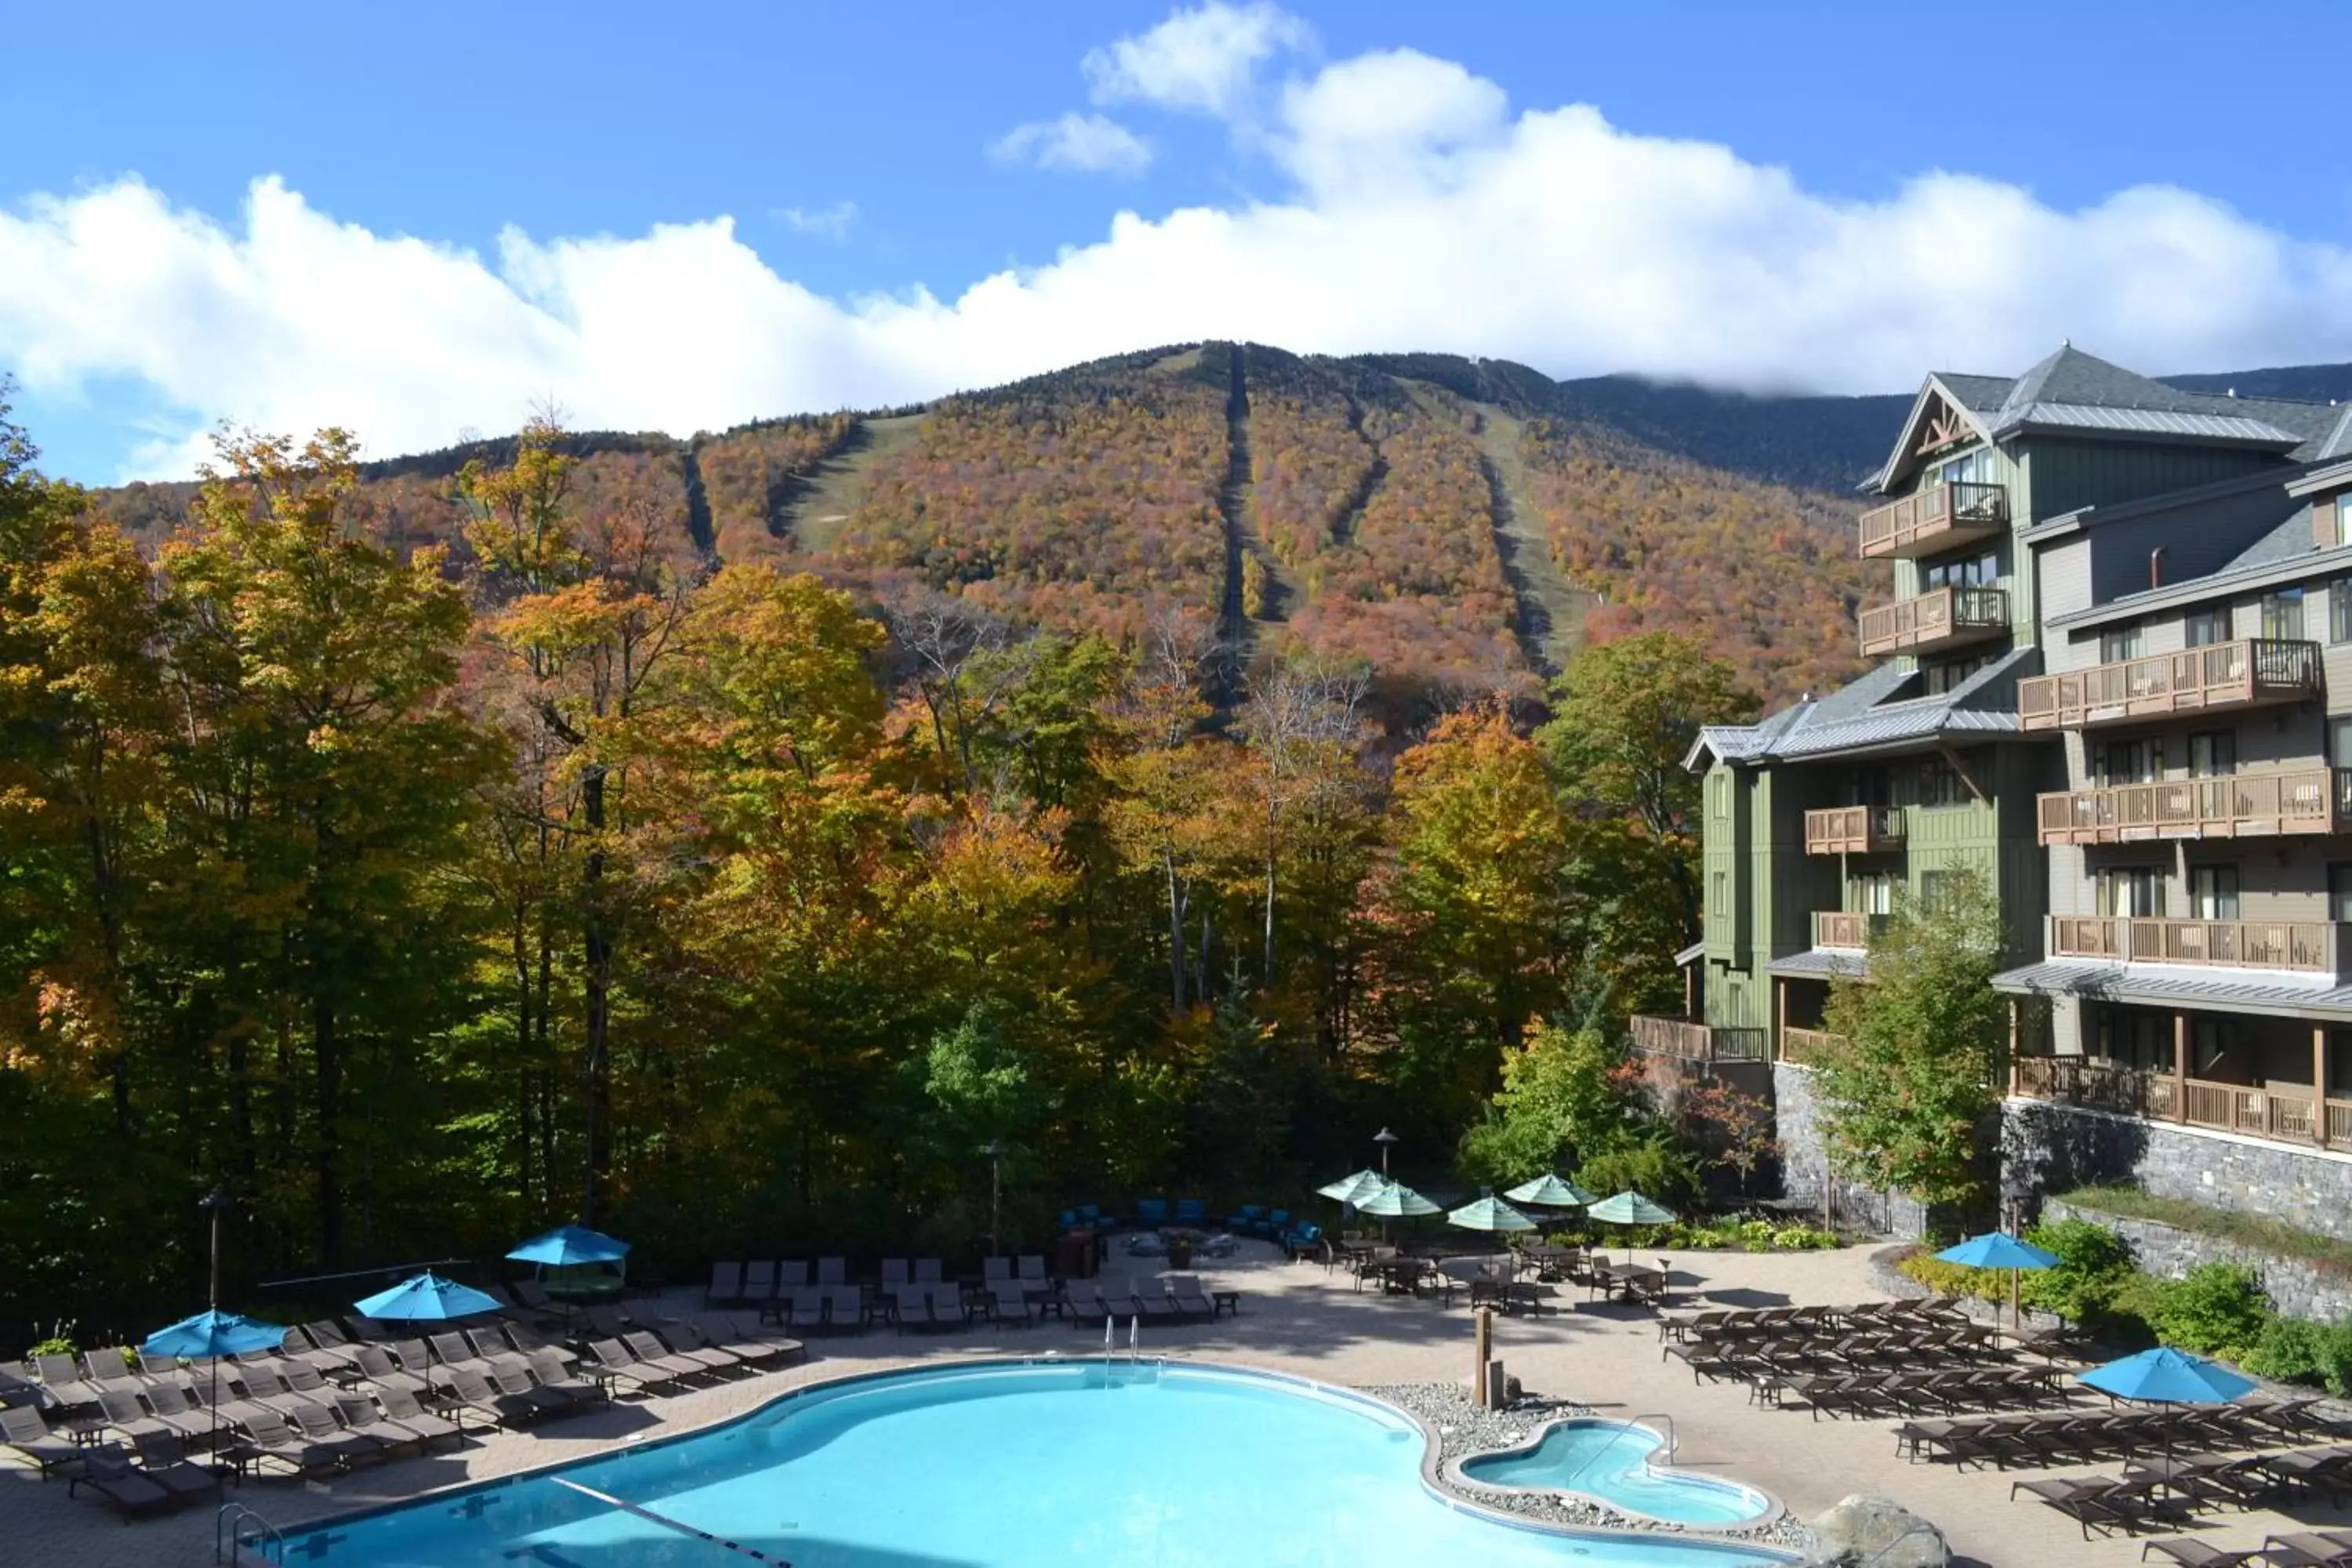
[
  {"x": 998, "y": 1465},
  {"x": 1610, "y": 1460}
]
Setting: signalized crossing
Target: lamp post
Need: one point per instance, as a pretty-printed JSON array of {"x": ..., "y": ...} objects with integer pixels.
[
  {"x": 995, "y": 1152},
  {"x": 213, "y": 1203},
  {"x": 1384, "y": 1138}
]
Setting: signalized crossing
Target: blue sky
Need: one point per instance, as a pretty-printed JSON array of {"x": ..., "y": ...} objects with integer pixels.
[{"x": 1755, "y": 200}]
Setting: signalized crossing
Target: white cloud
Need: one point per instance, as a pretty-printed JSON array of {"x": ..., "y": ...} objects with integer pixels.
[
  {"x": 1421, "y": 212},
  {"x": 824, "y": 223},
  {"x": 1075, "y": 143},
  {"x": 1202, "y": 60}
]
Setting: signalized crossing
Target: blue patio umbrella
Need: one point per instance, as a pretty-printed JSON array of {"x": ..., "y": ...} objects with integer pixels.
[
  {"x": 426, "y": 1299},
  {"x": 207, "y": 1337},
  {"x": 570, "y": 1244},
  {"x": 1999, "y": 1249},
  {"x": 2167, "y": 1376}
]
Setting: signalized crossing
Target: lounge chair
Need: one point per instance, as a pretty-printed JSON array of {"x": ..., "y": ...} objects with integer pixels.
[
  {"x": 120, "y": 1488},
  {"x": 615, "y": 1361},
  {"x": 2308, "y": 1548},
  {"x": 400, "y": 1406},
  {"x": 682, "y": 1341},
  {"x": 791, "y": 1273},
  {"x": 651, "y": 1350},
  {"x": 836, "y": 1271},
  {"x": 1082, "y": 1299},
  {"x": 320, "y": 1424},
  {"x": 2188, "y": 1552},
  {"x": 1151, "y": 1211},
  {"x": 844, "y": 1306},
  {"x": 758, "y": 1281},
  {"x": 62, "y": 1380},
  {"x": 1008, "y": 1304},
  {"x": 1194, "y": 1211},
  {"x": 267, "y": 1436},
  {"x": 1190, "y": 1300},
  {"x": 359, "y": 1414},
  {"x": 993, "y": 1270},
  {"x": 515, "y": 1380},
  {"x": 896, "y": 1272},
  {"x": 378, "y": 1368},
  {"x": 164, "y": 1460},
  {"x": 1248, "y": 1219},
  {"x": 726, "y": 1285},
  {"x": 1030, "y": 1271},
  {"x": 718, "y": 1338},
  {"x": 928, "y": 1271},
  {"x": 24, "y": 1430},
  {"x": 782, "y": 1348},
  {"x": 457, "y": 1352},
  {"x": 128, "y": 1417},
  {"x": 507, "y": 1409}
]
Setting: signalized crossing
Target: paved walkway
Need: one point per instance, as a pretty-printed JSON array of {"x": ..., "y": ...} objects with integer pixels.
[{"x": 1295, "y": 1318}]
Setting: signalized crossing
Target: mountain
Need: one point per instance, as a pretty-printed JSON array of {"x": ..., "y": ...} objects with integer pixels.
[{"x": 1455, "y": 524}]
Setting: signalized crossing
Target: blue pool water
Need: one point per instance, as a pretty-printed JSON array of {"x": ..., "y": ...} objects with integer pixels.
[
  {"x": 1004, "y": 1467},
  {"x": 1610, "y": 1460}
]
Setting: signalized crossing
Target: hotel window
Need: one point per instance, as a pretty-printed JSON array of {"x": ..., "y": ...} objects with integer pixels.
[
  {"x": 2283, "y": 615},
  {"x": 2339, "y": 743},
  {"x": 2208, "y": 1043},
  {"x": 2213, "y": 755},
  {"x": 1719, "y": 895},
  {"x": 2339, "y": 610},
  {"x": 2134, "y": 1039},
  {"x": 1967, "y": 572},
  {"x": 2127, "y": 891},
  {"x": 1939, "y": 784},
  {"x": 1873, "y": 894},
  {"x": 1968, "y": 468},
  {"x": 2213, "y": 892},
  {"x": 2123, "y": 642},
  {"x": 2127, "y": 762},
  {"x": 2203, "y": 629},
  {"x": 1935, "y": 890},
  {"x": 1949, "y": 676},
  {"x": 1718, "y": 794},
  {"x": 2339, "y": 891}
]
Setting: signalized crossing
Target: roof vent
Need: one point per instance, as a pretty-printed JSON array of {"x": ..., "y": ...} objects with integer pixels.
[{"x": 2231, "y": 393}]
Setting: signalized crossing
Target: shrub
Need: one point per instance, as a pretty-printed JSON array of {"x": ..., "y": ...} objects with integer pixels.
[
  {"x": 1802, "y": 1238},
  {"x": 2094, "y": 1265},
  {"x": 58, "y": 1343},
  {"x": 1953, "y": 1278},
  {"x": 2217, "y": 1310},
  {"x": 2287, "y": 1351}
]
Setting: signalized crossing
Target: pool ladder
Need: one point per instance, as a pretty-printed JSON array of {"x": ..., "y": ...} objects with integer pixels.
[
  {"x": 1672, "y": 1444},
  {"x": 229, "y": 1538}
]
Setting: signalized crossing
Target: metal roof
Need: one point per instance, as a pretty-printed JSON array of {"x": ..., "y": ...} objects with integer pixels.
[
  {"x": 1820, "y": 963},
  {"x": 2146, "y": 422},
  {"x": 2277, "y": 993},
  {"x": 1872, "y": 712}
]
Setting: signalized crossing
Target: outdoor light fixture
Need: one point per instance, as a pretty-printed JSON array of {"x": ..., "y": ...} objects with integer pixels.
[
  {"x": 1384, "y": 1138},
  {"x": 214, "y": 1203}
]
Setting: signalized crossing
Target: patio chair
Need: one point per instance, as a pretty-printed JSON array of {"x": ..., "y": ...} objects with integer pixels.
[
  {"x": 896, "y": 1272},
  {"x": 1083, "y": 1299},
  {"x": 546, "y": 1368},
  {"x": 2308, "y": 1548},
  {"x": 1192, "y": 1211},
  {"x": 25, "y": 1430},
  {"x": 685, "y": 1340},
  {"x": 401, "y": 1405},
  {"x": 780, "y": 1349},
  {"x": 378, "y": 1369},
  {"x": 1246, "y": 1219},
  {"x": 475, "y": 1391},
  {"x": 120, "y": 1488},
  {"x": 993, "y": 1270},
  {"x": 456, "y": 1350},
  {"x": 836, "y": 1271},
  {"x": 61, "y": 1379},
  {"x": 651, "y": 1350},
  {"x": 126, "y": 1416},
  {"x": 759, "y": 1280},
  {"x": 704, "y": 1334},
  {"x": 791, "y": 1273},
  {"x": 1151, "y": 1211},
  {"x": 929, "y": 1270},
  {"x": 1031, "y": 1270},
  {"x": 164, "y": 1460},
  {"x": 726, "y": 1285}
]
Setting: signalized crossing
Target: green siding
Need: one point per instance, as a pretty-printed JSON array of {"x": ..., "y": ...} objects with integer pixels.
[{"x": 2064, "y": 475}]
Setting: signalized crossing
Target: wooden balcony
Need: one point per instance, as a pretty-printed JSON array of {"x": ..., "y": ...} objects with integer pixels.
[
  {"x": 1843, "y": 927},
  {"x": 2249, "y": 673},
  {"x": 2307, "y": 947},
  {"x": 2284, "y": 1113},
  {"x": 1854, "y": 829},
  {"x": 2241, "y": 805},
  {"x": 1693, "y": 1041},
  {"x": 1943, "y": 517},
  {"x": 1807, "y": 1046},
  {"x": 1939, "y": 618}
]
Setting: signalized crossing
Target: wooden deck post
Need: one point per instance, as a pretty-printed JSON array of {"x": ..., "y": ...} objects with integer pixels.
[
  {"x": 1481, "y": 1342},
  {"x": 2180, "y": 1067},
  {"x": 2319, "y": 1085},
  {"x": 2016, "y": 1041},
  {"x": 1780, "y": 1018}
]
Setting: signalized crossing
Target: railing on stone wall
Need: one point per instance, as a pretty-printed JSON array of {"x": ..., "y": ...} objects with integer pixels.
[{"x": 2281, "y": 1114}]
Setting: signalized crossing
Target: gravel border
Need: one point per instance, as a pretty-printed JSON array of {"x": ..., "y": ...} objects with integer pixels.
[{"x": 1461, "y": 1430}]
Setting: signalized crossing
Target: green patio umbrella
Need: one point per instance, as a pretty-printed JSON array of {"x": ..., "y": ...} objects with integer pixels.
[
  {"x": 1487, "y": 1212},
  {"x": 1631, "y": 1208},
  {"x": 1354, "y": 1189},
  {"x": 1550, "y": 1192},
  {"x": 1397, "y": 1201}
]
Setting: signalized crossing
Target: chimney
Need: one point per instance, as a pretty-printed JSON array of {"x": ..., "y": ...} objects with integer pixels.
[{"x": 2155, "y": 567}]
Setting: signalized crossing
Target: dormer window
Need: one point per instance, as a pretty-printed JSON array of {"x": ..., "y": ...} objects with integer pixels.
[{"x": 1974, "y": 468}]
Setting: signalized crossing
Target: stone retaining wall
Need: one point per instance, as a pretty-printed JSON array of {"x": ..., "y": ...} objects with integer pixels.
[
  {"x": 1804, "y": 1165},
  {"x": 2296, "y": 1287},
  {"x": 2051, "y": 1148}
]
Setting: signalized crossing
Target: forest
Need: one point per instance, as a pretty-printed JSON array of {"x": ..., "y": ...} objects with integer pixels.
[{"x": 418, "y": 882}]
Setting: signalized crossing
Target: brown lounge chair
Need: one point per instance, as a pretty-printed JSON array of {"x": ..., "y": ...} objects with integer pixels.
[
  {"x": 400, "y": 1408},
  {"x": 24, "y": 1430},
  {"x": 615, "y": 1362},
  {"x": 120, "y": 1488},
  {"x": 164, "y": 1460},
  {"x": 1007, "y": 1303},
  {"x": 2309, "y": 1548},
  {"x": 2189, "y": 1551}
]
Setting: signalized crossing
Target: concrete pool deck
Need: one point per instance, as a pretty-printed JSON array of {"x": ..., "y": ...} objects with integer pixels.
[{"x": 1297, "y": 1319}]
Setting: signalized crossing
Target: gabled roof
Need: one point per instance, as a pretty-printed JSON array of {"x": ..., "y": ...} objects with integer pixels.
[
  {"x": 2080, "y": 394},
  {"x": 1879, "y": 711}
]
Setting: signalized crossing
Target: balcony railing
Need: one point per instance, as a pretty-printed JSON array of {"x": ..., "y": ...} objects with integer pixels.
[
  {"x": 1854, "y": 829},
  {"x": 1806, "y": 1047},
  {"x": 2311, "y": 947},
  {"x": 1941, "y": 617},
  {"x": 2283, "y": 1113},
  {"x": 2303, "y": 800},
  {"x": 1937, "y": 518},
  {"x": 1843, "y": 927},
  {"x": 1690, "y": 1040},
  {"x": 2247, "y": 673}
]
